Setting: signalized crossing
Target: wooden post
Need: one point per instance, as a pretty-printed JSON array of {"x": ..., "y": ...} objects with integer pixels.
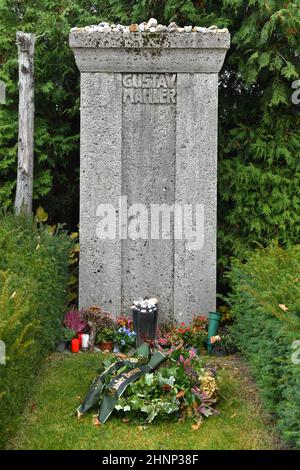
[{"x": 23, "y": 201}]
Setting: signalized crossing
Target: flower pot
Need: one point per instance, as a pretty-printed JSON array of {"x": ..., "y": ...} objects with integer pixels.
[
  {"x": 106, "y": 346},
  {"x": 213, "y": 324}
]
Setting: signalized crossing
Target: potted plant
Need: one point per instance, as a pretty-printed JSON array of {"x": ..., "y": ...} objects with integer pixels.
[
  {"x": 105, "y": 339},
  {"x": 191, "y": 335},
  {"x": 97, "y": 319},
  {"x": 74, "y": 321},
  {"x": 125, "y": 338}
]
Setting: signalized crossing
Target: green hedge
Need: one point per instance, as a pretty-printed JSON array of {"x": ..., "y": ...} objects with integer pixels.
[
  {"x": 265, "y": 331},
  {"x": 33, "y": 292}
]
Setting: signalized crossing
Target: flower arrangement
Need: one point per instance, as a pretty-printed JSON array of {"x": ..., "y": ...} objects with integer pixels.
[
  {"x": 200, "y": 322},
  {"x": 124, "y": 321},
  {"x": 72, "y": 325},
  {"x": 105, "y": 335},
  {"x": 125, "y": 338},
  {"x": 105, "y": 339},
  {"x": 215, "y": 339},
  {"x": 74, "y": 321},
  {"x": 164, "y": 342},
  {"x": 97, "y": 319},
  {"x": 182, "y": 388},
  {"x": 193, "y": 335}
]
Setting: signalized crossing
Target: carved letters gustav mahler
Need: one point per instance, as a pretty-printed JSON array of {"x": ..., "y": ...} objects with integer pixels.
[{"x": 149, "y": 88}]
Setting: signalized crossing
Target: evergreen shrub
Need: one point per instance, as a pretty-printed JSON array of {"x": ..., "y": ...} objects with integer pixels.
[
  {"x": 265, "y": 303},
  {"x": 33, "y": 296}
]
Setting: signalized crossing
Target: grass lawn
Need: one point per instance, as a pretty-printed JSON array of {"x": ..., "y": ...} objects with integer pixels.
[{"x": 49, "y": 421}]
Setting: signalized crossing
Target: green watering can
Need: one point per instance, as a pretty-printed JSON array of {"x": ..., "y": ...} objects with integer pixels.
[{"x": 213, "y": 325}]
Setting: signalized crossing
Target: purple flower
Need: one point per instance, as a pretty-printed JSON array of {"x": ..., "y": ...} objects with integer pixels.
[
  {"x": 74, "y": 321},
  {"x": 192, "y": 353}
]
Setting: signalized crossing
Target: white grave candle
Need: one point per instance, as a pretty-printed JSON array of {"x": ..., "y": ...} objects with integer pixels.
[{"x": 85, "y": 342}]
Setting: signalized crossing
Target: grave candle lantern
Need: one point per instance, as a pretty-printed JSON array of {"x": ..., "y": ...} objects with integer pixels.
[
  {"x": 75, "y": 345},
  {"x": 85, "y": 342}
]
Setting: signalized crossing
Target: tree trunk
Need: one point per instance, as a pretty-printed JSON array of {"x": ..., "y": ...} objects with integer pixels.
[{"x": 23, "y": 201}]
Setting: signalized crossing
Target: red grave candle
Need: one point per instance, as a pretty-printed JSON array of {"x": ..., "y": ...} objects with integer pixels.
[
  {"x": 75, "y": 345},
  {"x": 80, "y": 339}
]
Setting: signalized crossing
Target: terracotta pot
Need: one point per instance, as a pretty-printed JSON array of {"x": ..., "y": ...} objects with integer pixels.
[{"x": 106, "y": 346}]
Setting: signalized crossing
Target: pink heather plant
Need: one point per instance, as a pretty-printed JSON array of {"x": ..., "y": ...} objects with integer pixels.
[{"x": 73, "y": 321}]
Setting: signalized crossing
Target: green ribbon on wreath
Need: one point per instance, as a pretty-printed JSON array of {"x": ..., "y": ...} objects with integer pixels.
[
  {"x": 135, "y": 368},
  {"x": 118, "y": 384}
]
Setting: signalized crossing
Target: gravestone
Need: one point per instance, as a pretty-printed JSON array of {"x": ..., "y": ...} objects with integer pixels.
[{"x": 148, "y": 171}]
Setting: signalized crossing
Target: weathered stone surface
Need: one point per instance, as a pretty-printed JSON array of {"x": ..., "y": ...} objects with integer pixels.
[
  {"x": 119, "y": 40},
  {"x": 148, "y": 176},
  {"x": 149, "y": 133},
  {"x": 100, "y": 182},
  {"x": 155, "y": 52},
  {"x": 196, "y": 183}
]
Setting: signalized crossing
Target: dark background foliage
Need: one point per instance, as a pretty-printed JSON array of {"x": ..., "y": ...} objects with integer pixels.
[{"x": 259, "y": 139}]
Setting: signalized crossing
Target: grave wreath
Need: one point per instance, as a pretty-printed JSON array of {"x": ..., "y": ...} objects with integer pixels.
[
  {"x": 151, "y": 384},
  {"x": 112, "y": 383}
]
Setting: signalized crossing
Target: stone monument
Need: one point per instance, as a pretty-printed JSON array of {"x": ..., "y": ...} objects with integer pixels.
[{"x": 148, "y": 177}]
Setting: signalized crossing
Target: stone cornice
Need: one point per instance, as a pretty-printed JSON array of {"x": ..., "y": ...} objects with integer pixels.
[{"x": 149, "y": 52}]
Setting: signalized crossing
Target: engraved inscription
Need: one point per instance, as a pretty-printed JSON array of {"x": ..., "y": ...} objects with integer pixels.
[{"x": 149, "y": 88}]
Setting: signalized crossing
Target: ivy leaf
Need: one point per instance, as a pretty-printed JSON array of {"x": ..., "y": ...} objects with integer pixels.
[{"x": 149, "y": 379}]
